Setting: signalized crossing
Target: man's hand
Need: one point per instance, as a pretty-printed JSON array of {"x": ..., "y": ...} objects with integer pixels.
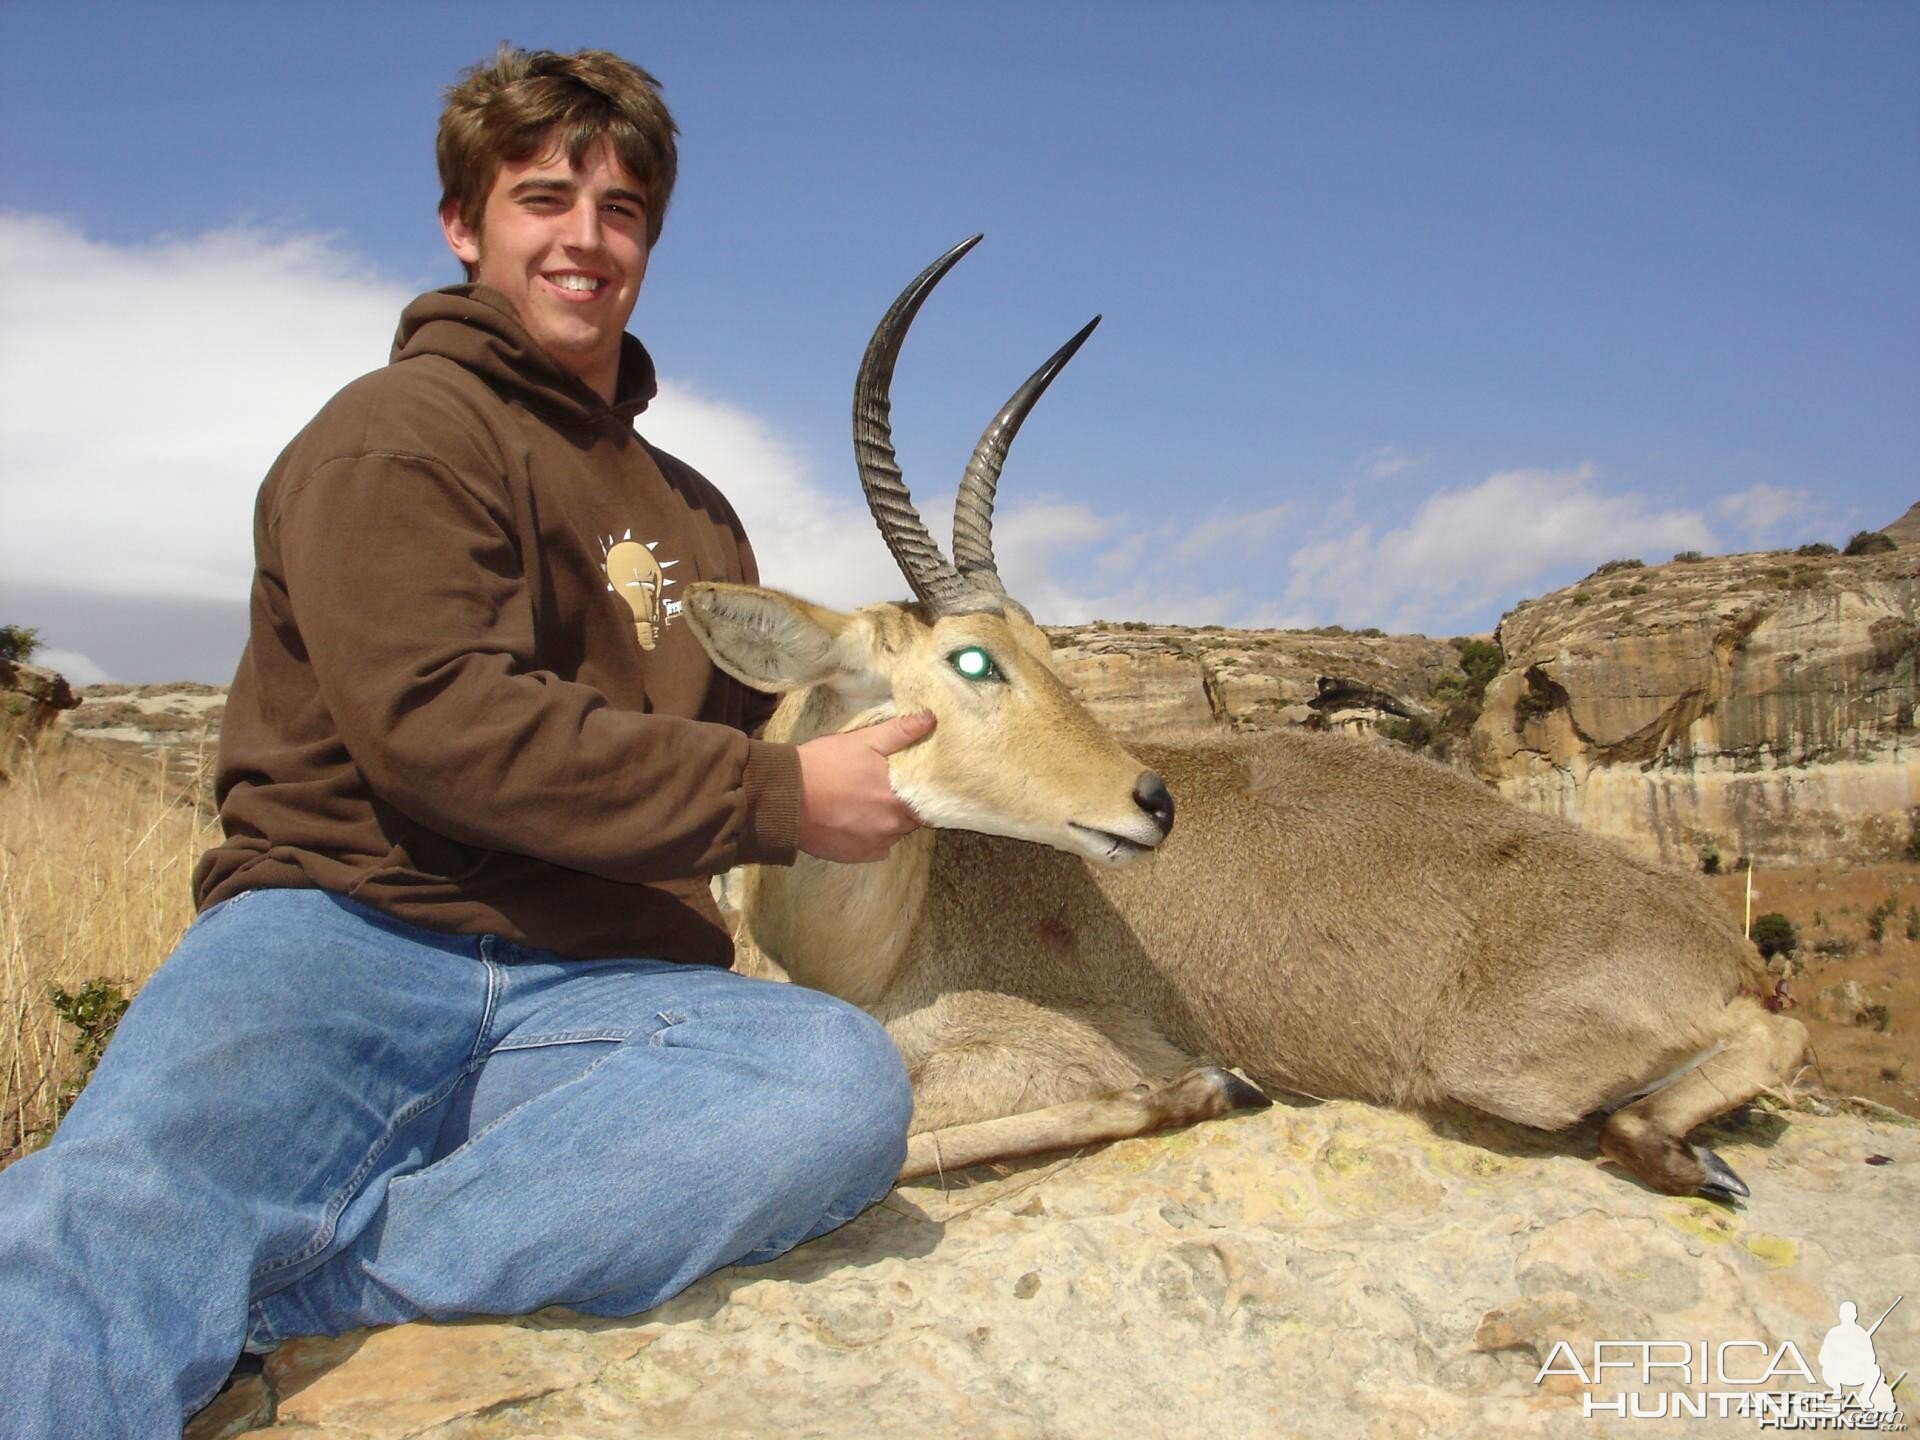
[{"x": 848, "y": 810}]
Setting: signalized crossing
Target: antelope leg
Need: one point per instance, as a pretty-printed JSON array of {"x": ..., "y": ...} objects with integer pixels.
[{"x": 1120, "y": 1115}]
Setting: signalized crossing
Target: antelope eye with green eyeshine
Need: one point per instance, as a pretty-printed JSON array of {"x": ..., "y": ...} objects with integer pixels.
[{"x": 974, "y": 663}]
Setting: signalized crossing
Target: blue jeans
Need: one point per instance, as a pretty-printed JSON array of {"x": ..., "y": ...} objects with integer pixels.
[{"x": 314, "y": 1117}]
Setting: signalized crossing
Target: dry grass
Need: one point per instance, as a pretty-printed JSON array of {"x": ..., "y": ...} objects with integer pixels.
[{"x": 95, "y": 860}]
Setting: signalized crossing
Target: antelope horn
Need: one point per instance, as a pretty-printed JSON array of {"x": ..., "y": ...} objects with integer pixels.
[
  {"x": 933, "y": 579},
  {"x": 973, "y": 507}
]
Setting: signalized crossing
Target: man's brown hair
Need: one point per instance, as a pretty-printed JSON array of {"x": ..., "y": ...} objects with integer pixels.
[{"x": 512, "y": 107}]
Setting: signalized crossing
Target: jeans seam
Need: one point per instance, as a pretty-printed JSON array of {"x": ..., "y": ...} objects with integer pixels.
[
  {"x": 343, "y": 1195},
  {"x": 350, "y": 1187},
  {"x": 616, "y": 1034},
  {"x": 483, "y": 1033}
]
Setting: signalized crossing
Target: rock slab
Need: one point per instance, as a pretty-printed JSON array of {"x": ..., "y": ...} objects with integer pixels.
[{"x": 1331, "y": 1269}]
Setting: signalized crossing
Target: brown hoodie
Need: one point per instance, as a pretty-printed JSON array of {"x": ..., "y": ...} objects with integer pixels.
[{"x": 467, "y": 698}]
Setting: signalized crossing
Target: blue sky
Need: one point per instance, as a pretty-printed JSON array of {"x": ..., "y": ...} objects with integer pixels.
[{"x": 1411, "y": 310}]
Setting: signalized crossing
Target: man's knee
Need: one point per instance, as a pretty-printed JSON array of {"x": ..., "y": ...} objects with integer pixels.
[{"x": 846, "y": 1087}]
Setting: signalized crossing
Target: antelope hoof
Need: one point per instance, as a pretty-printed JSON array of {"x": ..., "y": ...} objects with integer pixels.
[
  {"x": 1240, "y": 1095},
  {"x": 1721, "y": 1183}
]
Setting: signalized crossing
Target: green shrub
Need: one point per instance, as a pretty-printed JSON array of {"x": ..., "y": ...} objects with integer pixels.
[
  {"x": 1870, "y": 542},
  {"x": 1877, "y": 920},
  {"x": 1710, "y": 859},
  {"x": 1414, "y": 732},
  {"x": 1480, "y": 660},
  {"x": 1530, "y": 707},
  {"x": 1612, "y": 565},
  {"x": 94, "y": 1010},
  {"x": 17, "y": 643},
  {"x": 1688, "y": 557},
  {"x": 1817, "y": 548},
  {"x": 1775, "y": 934}
]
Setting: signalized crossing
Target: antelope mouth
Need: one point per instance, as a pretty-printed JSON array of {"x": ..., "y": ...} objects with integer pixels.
[{"x": 1105, "y": 846}]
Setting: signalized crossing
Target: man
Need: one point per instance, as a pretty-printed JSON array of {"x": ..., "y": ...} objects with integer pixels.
[{"x": 452, "y": 1033}]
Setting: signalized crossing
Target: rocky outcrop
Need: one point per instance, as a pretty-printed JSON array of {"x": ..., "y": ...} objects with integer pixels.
[
  {"x": 1906, "y": 530},
  {"x": 1762, "y": 705},
  {"x": 1141, "y": 678},
  {"x": 1331, "y": 1270},
  {"x": 31, "y": 700}
]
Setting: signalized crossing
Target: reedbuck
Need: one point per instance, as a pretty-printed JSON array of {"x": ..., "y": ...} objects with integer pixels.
[{"x": 1329, "y": 916}]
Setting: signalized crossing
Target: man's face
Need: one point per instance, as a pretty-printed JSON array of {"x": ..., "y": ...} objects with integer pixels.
[{"x": 567, "y": 245}]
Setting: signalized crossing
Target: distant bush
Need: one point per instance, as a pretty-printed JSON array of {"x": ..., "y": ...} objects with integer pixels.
[
  {"x": 1870, "y": 542},
  {"x": 1530, "y": 707},
  {"x": 1806, "y": 578},
  {"x": 1877, "y": 920},
  {"x": 1413, "y": 732},
  {"x": 1710, "y": 859},
  {"x": 1913, "y": 836},
  {"x": 1775, "y": 934},
  {"x": 1612, "y": 565},
  {"x": 17, "y": 643},
  {"x": 1480, "y": 661},
  {"x": 1581, "y": 597},
  {"x": 1688, "y": 557},
  {"x": 1817, "y": 548}
]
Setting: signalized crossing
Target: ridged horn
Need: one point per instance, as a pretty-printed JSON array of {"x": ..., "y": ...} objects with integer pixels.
[
  {"x": 930, "y": 574},
  {"x": 973, "y": 507}
]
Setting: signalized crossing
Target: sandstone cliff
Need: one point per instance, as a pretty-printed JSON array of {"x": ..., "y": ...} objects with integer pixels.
[
  {"x": 1334, "y": 1270},
  {"x": 1140, "y": 678},
  {"x": 1760, "y": 704}
]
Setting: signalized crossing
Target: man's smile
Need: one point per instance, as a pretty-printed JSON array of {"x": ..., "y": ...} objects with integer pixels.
[{"x": 576, "y": 284}]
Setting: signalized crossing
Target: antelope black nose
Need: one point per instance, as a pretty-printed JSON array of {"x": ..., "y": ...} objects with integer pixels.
[{"x": 1150, "y": 794}]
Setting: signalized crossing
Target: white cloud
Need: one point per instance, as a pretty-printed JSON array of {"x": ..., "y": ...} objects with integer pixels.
[
  {"x": 75, "y": 668},
  {"x": 1246, "y": 532},
  {"x": 1388, "y": 461},
  {"x": 141, "y": 402},
  {"x": 821, "y": 547},
  {"x": 1464, "y": 550},
  {"x": 1762, "y": 511}
]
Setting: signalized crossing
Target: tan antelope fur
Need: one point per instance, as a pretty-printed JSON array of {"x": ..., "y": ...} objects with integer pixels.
[{"x": 1330, "y": 917}]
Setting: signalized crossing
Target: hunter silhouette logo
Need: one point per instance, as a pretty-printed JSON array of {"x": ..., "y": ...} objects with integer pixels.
[
  {"x": 640, "y": 579},
  {"x": 1847, "y": 1363}
]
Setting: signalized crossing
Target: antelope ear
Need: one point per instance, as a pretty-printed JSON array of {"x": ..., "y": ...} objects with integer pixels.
[{"x": 765, "y": 639}]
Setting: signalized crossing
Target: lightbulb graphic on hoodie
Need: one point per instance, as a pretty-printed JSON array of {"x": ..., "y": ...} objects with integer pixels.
[{"x": 640, "y": 579}]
